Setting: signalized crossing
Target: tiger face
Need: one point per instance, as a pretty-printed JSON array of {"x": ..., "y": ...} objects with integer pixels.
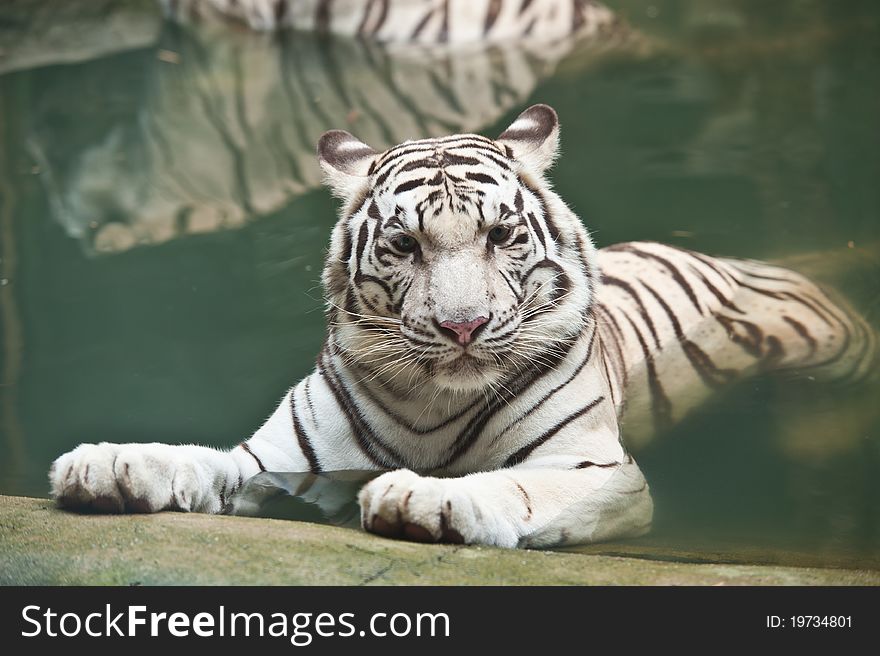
[{"x": 453, "y": 263}]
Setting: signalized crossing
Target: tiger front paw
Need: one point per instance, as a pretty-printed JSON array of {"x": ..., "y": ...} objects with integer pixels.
[
  {"x": 404, "y": 505},
  {"x": 115, "y": 478}
]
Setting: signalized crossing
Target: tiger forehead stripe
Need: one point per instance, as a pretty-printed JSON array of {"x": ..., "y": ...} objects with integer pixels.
[
  {"x": 437, "y": 158},
  {"x": 443, "y": 141},
  {"x": 455, "y": 142},
  {"x": 434, "y": 169}
]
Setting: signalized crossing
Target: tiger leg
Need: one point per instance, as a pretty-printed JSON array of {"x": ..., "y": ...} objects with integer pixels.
[
  {"x": 533, "y": 505},
  {"x": 153, "y": 477}
]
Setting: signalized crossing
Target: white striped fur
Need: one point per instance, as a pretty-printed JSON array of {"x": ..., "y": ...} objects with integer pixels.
[{"x": 514, "y": 439}]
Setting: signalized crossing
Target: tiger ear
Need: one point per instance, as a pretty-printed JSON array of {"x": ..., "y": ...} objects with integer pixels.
[
  {"x": 533, "y": 138},
  {"x": 346, "y": 162}
]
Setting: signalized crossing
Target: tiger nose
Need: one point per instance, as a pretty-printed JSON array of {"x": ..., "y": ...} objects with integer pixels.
[{"x": 462, "y": 331}]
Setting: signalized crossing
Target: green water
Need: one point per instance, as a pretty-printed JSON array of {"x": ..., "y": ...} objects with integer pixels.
[{"x": 162, "y": 233}]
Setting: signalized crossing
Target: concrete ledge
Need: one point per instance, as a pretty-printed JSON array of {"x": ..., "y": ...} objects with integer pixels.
[{"x": 41, "y": 545}]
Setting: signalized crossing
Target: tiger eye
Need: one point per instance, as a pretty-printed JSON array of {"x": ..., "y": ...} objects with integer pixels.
[
  {"x": 499, "y": 234},
  {"x": 405, "y": 243}
]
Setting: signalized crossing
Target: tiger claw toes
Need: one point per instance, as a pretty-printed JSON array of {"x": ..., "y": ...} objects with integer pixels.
[
  {"x": 406, "y": 506},
  {"x": 138, "y": 478}
]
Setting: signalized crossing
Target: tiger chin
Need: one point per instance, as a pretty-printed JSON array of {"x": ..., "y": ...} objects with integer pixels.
[{"x": 481, "y": 351}]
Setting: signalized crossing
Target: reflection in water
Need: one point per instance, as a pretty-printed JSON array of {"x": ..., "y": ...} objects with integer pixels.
[
  {"x": 226, "y": 124},
  {"x": 37, "y": 33},
  {"x": 738, "y": 131},
  {"x": 326, "y": 498},
  {"x": 425, "y": 22}
]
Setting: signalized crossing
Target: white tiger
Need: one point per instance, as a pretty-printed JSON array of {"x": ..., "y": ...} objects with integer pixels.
[{"x": 483, "y": 351}]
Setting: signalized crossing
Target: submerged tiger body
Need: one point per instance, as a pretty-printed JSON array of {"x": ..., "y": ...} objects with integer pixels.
[
  {"x": 677, "y": 325},
  {"x": 483, "y": 351}
]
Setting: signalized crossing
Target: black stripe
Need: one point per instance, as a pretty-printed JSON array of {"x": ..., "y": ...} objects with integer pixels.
[
  {"x": 526, "y": 499},
  {"x": 363, "y": 234},
  {"x": 346, "y": 245},
  {"x": 829, "y": 310},
  {"x": 435, "y": 158},
  {"x": 544, "y": 398},
  {"x": 539, "y": 232},
  {"x": 309, "y": 401},
  {"x": 808, "y": 302},
  {"x": 352, "y": 407},
  {"x": 491, "y": 15},
  {"x": 380, "y": 20},
  {"x": 801, "y": 330},
  {"x": 607, "y": 373},
  {"x": 552, "y": 229},
  {"x": 360, "y": 430},
  {"x": 382, "y": 17},
  {"x": 360, "y": 279},
  {"x": 305, "y": 444},
  {"x": 673, "y": 270},
  {"x": 373, "y": 213},
  {"x": 519, "y": 456},
  {"x": 406, "y": 186},
  {"x": 625, "y": 286},
  {"x": 577, "y": 15},
  {"x": 367, "y": 11},
  {"x": 464, "y": 140},
  {"x": 421, "y": 25},
  {"x": 474, "y": 428},
  {"x": 516, "y": 294},
  {"x": 247, "y": 449},
  {"x": 411, "y": 426},
  {"x": 710, "y": 263},
  {"x": 562, "y": 283},
  {"x": 699, "y": 359},
  {"x": 740, "y": 265},
  {"x": 443, "y": 37},
  {"x": 724, "y": 300},
  {"x": 844, "y": 348},
  {"x": 280, "y": 10},
  {"x": 775, "y": 352},
  {"x": 587, "y": 463},
  {"x": 437, "y": 180},
  {"x": 454, "y": 159},
  {"x": 490, "y": 154},
  {"x": 421, "y": 163},
  {"x": 617, "y": 337},
  {"x": 661, "y": 407},
  {"x": 752, "y": 343},
  {"x": 322, "y": 16},
  {"x": 480, "y": 177},
  {"x": 390, "y": 159},
  {"x": 478, "y": 149}
]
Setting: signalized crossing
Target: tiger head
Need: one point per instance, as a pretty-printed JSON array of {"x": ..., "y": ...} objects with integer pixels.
[{"x": 453, "y": 262}]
